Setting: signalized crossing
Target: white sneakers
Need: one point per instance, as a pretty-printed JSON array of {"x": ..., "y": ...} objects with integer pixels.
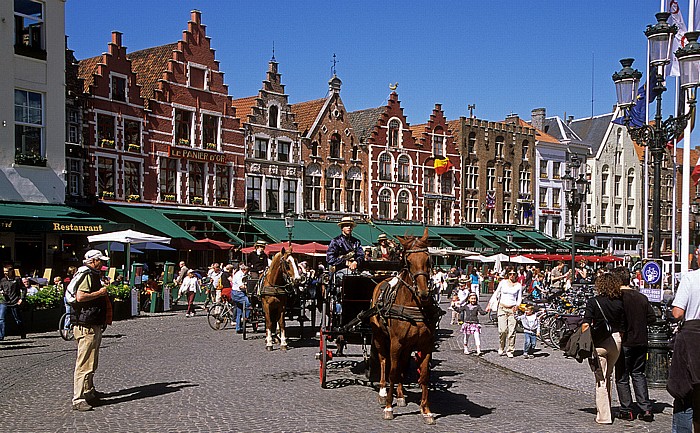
[
  {"x": 501, "y": 352},
  {"x": 466, "y": 351},
  {"x": 509, "y": 354}
]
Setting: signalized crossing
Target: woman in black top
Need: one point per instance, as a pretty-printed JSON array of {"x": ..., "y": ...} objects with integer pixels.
[{"x": 605, "y": 317}]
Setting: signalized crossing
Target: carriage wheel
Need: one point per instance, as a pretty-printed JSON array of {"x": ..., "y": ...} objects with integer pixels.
[{"x": 323, "y": 347}]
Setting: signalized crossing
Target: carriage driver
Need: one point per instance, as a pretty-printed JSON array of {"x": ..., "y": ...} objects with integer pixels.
[
  {"x": 257, "y": 259},
  {"x": 345, "y": 251}
]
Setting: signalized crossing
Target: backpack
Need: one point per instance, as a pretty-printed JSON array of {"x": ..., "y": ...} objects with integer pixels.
[{"x": 72, "y": 288}]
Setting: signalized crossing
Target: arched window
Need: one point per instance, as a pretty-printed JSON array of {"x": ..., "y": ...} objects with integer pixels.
[
  {"x": 605, "y": 175},
  {"x": 402, "y": 206},
  {"x": 353, "y": 188},
  {"x": 334, "y": 178},
  {"x": 394, "y": 130},
  {"x": 335, "y": 146},
  {"x": 385, "y": 204},
  {"x": 630, "y": 183},
  {"x": 404, "y": 165},
  {"x": 312, "y": 187},
  {"x": 471, "y": 143},
  {"x": 384, "y": 166},
  {"x": 272, "y": 115},
  {"x": 438, "y": 141}
]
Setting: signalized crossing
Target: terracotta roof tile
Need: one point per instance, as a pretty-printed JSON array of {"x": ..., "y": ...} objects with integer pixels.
[
  {"x": 306, "y": 113},
  {"x": 539, "y": 135},
  {"x": 86, "y": 70},
  {"x": 244, "y": 107},
  {"x": 149, "y": 65}
]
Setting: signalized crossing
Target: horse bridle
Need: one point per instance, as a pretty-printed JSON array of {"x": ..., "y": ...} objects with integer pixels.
[
  {"x": 288, "y": 281},
  {"x": 413, "y": 275}
]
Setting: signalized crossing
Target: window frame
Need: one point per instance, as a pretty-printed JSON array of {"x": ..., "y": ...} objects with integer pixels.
[
  {"x": 210, "y": 131},
  {"x": 37, "y": 46},
  {"x": 27, "y": 121},
  {"x": 167, "y": 178},
  {"x": 261, "y": 152},
  {"x": 182, "y": 134}
]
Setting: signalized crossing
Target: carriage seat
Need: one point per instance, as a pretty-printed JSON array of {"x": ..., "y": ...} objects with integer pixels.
[{"x": 382, "y": 266}]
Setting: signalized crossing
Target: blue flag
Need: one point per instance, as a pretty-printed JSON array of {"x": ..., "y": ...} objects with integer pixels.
[{"x": 638, "y": 112}]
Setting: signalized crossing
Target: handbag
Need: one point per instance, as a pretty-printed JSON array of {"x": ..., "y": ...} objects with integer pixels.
[{"x": 598, "y": 326}]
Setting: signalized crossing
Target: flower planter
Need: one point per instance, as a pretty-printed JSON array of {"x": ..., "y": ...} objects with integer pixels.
[
  {"x": 41, "y": 320},
  {"x": 121, "y": 309}
]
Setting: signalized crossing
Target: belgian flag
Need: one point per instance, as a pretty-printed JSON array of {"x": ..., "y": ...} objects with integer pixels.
[{"x": 442, "y": 165}]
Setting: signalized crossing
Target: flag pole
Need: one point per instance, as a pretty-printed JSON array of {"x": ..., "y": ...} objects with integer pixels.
[{"x": 685, "y": 207}]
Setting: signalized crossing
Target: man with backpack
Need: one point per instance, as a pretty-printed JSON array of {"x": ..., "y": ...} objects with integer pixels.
[{"x": 90, "y": 306}]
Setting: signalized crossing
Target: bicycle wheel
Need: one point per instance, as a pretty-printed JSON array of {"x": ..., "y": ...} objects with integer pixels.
[
  {"x": 556, "y": 331},
  {"x": 65, "y": 330},
  {"x": 217, "y": 317}
]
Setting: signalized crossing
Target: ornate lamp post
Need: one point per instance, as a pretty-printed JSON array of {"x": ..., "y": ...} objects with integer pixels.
[
  {"x": 289, "y": 224},
  {"x": 661, "y": 132},
  {"x": 575, "y": 187}
]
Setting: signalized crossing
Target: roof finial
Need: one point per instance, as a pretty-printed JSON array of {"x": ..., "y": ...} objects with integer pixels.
[
  {"x": 394, "y": 86},
  {"x": 334, "y": 63},
  {"x": 471, "y": 108},
  {"x": 273, "y": 52}
]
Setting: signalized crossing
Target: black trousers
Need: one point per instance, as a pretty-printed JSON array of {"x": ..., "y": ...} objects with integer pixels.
[{"x": 632, "y": 363}]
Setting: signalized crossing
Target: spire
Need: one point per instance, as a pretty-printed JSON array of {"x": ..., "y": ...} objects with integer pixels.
[{"x": 273, "y": 52}]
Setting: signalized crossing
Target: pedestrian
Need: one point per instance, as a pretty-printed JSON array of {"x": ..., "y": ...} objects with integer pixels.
[
  {"x": 507, "y": 298},
  {"x": 189, "y": 287},
  {"x": 604, "y": 315},
  {"x": 214, "y": 275},
  {"x": 238, "y": 296},
  {"x": 469, "y": 317},
  {"x": 684, "y": 373},
  {"x": 455, "y": 308},
  {"x": 89, "y": 316},
  {"x": 474, "y": 287},
  {"x": 632, "y": 361},
  {"x": 13, "y": 296},
  {"x": 557, "y": 278},
  {"x": 531, "y": 330}
]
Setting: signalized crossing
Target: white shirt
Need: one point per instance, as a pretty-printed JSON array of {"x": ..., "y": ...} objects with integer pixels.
[
  {"x": 463, "y": 294},
  {"x": 688, "y": 295},
  {"x": 511, "y": 294},
  {"x": 237, "y": 282},
  {"x": 189, "y": 284},
  {"x": 215, "y": 277}
]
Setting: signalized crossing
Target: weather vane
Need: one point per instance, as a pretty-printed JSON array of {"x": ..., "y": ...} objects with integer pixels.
[
  {"x": 471, "y": 108},
  {"x": 273, "y": 51},
  {"x": 334, "y": 63},
  {"x": 394, "y": 86}
]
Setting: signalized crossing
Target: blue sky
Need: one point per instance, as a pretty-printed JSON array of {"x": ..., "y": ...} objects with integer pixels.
[{"x": 505, "y": 56}]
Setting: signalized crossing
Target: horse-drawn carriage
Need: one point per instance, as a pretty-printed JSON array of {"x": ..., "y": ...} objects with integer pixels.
[{"x": 396, "y": 315}]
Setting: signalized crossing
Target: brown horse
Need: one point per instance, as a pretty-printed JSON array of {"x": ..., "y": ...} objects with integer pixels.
[
  {"x": 279, "y": 279},
  {"x": 405, "y": 322}
]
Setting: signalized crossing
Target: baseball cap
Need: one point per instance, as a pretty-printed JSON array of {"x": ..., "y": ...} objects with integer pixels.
[{"x": 95, "y": 254}]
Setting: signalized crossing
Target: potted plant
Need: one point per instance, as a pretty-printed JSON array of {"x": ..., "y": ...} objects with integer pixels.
[
  {"x": 197, "y": 200},
  {"x": 107, "y": 195},
  {"x": 222, "y": 202},
  {"x": 120, "y": 294},
  {"x": 211, "y": 146},
  {"x": 168, "y": 197},
  {"x": 32, "y": 158},
  {"x": 133, "y": 197},
  {"x": 183, "y": 142},
  {"x": 45, "y": 308},
  {"x": 131, "y": 147},
  {"x": 105, "y": 142}
]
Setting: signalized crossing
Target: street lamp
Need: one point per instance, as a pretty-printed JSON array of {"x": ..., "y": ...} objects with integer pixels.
[
  {"x": 575, "y": 187},
  {"x": 661, "y": 132},
  {"x": 289, "y": 224}
]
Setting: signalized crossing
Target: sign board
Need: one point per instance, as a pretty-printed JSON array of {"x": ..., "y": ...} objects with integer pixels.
[
  {"x": 651, "y": 272},
  {"x": 652, "y": 275}
]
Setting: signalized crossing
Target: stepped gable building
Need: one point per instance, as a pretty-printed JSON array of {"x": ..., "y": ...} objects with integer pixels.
[
  {"x": 335, "y": 172},
  {"x": 272, "y": 149},
  {"x": 394, "y": 171},
  {"x": 161, "y": 126},
  {"x": 76, "y": 156},
  {"x": 440, "y": 193},
  {"x": 496, "y": 165}
]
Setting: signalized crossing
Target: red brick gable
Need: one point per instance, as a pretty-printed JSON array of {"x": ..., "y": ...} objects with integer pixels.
[{"x": 392, "y": 109}]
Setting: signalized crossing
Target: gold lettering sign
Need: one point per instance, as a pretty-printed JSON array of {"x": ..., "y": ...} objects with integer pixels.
[
  {"x": 197, "y": 155},
  {"x": 6, "y": 224},
  {"x": 58, "y": 227}
]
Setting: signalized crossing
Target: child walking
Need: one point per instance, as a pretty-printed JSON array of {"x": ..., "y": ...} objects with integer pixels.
[
  {"x": 455, "y": 307},
  {"x": 470, "y": 316},
  {"x": 531, "y": 326}
]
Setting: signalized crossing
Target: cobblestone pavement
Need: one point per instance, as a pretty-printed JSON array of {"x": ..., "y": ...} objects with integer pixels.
[{"x": 168, "y": 373}]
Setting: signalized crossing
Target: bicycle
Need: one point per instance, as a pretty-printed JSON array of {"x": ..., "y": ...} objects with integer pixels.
[
  {"x": 220, "y": 314},
  {"x": 65, "y": 330}
]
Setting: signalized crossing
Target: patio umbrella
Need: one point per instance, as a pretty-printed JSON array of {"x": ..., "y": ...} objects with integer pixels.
[
  {"x": 115, "y": 247},
  {"x": 476, "y": 258},
  {"x": 151, "y": 246},
  {"x": 500, "y": 257},
  {"x": 212, "y": 244},
  {"x": 522, "y": 260}
]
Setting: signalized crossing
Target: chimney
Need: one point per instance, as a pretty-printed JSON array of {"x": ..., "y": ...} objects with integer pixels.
[
  {"x": 569, "y": 120},
  {"x": 117, "y": 38},
  {"x": 538, "y": 115},
  {"x": 512, "y": 118},
  {"x": 196, "y": 16}
]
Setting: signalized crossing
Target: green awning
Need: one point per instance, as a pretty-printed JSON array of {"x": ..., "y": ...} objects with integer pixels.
[
  {"x": 154, "y": 219},
  {"x": 213, "y": 221},
  {"x": 312, "y": 231},
  {"x": 53, "y": 218}
]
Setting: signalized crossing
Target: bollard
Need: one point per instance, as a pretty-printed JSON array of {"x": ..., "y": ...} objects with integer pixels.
[{"x": 658, "y": 356}]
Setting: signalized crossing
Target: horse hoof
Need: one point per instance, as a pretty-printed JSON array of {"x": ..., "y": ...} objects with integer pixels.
[
  {"x": 283, "y": 347},
  {"x": 268, "y": 348},
  {"x": 388, "y": 414},
  {"x": 401, "y": 402},
  {"x": 429, "y": 418},
  {"x": 381, "y": 400}
]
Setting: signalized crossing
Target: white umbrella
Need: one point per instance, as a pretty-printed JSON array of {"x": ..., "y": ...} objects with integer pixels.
[
  {"x": 127, "y": 237},
  {"x": 500, "y": 257},
  {"x": 476, "y": 258},
  {"x": 522, "y": 260}
]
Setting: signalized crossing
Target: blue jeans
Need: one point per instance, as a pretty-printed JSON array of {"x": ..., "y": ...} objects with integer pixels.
[
  {"x": 530, "y": 343},
  {"x": 3, "y": 308},
  {"x": 242, "y": 304},
  {"x": 16, "y": 315},
  {"x": 682, "y": 416}
]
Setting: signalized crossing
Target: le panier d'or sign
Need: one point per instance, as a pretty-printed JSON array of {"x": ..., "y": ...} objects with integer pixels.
[{"x": 197, "y": 155}]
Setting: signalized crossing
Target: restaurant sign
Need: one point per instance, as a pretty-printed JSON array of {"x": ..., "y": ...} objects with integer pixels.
[{"x": 197, "y": 155}]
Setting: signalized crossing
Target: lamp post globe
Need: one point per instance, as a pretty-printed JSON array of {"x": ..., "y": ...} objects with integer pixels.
[{"x": 626, "y": 84}]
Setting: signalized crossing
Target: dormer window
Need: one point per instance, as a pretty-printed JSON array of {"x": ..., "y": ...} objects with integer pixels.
[
  {"x": 394, "y": 129},
  {"x": 272, "y": 118},
  {"x": 197, "y": 77}
]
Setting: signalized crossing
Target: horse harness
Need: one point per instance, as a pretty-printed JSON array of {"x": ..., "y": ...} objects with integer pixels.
[
  {"x": 273, "y": 289},
  {"x": 385, "y": 305}
]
